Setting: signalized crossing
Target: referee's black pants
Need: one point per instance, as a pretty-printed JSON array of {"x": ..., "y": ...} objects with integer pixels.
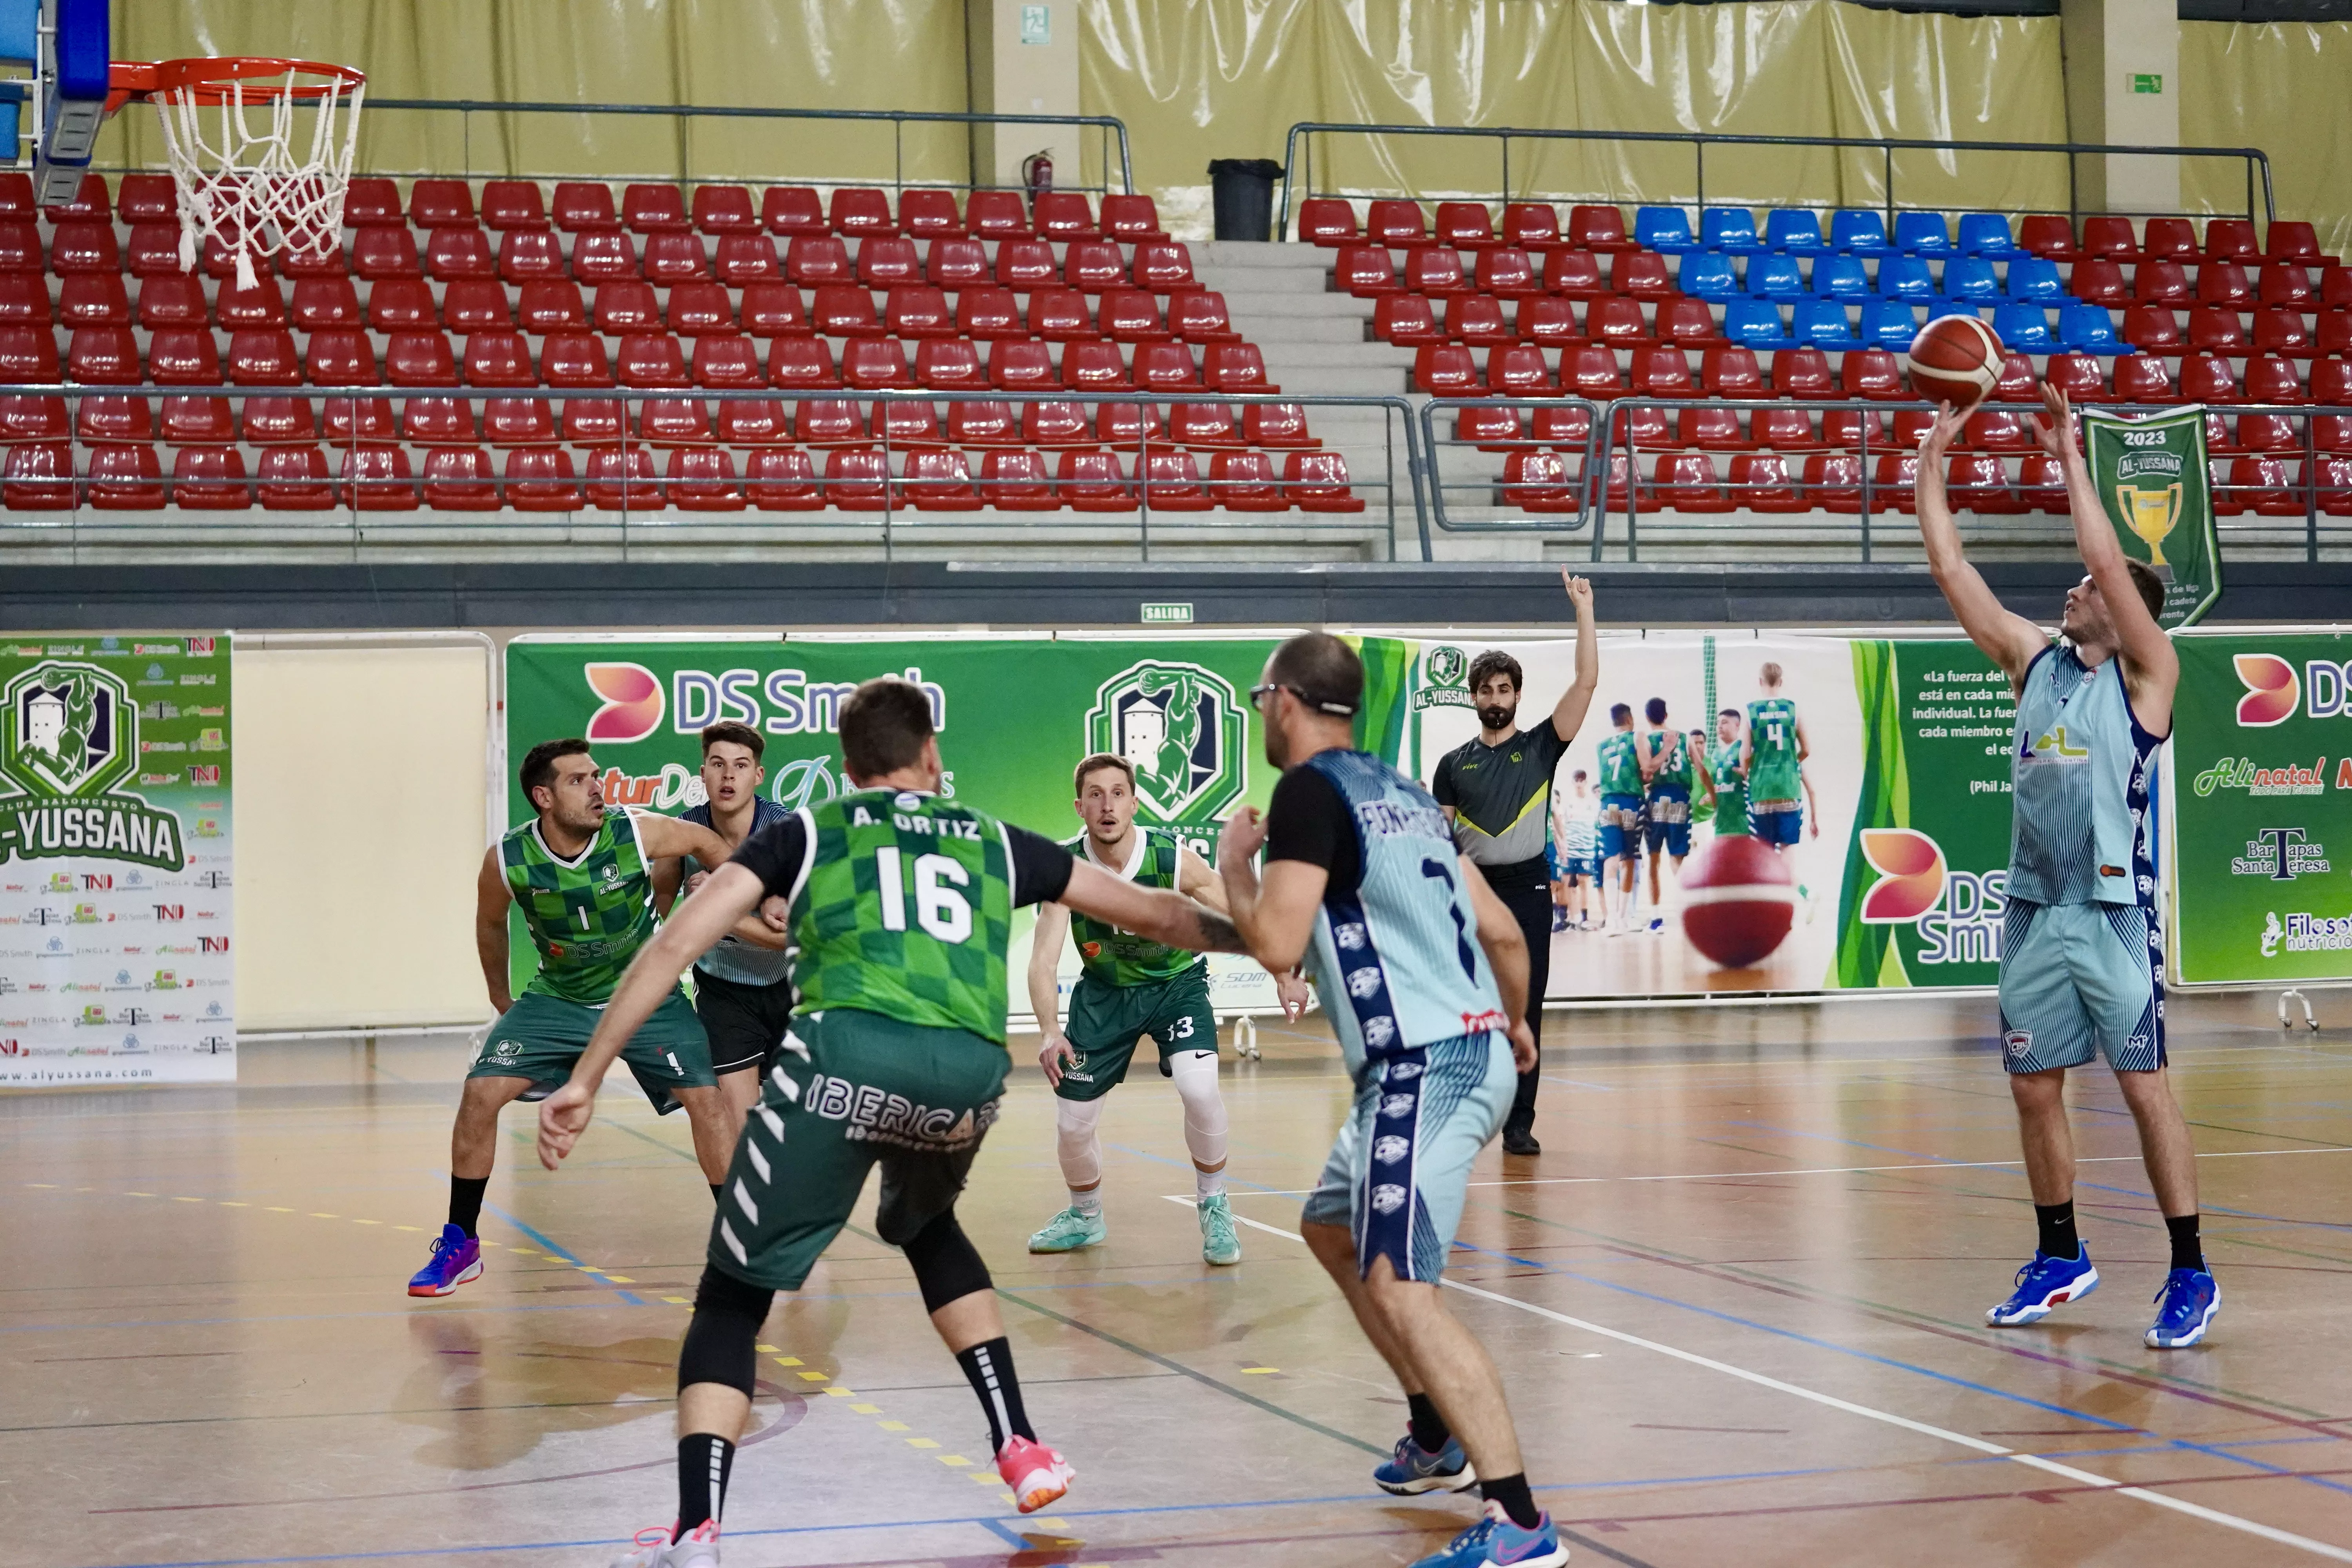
[{"x": 1531, "y": 906}]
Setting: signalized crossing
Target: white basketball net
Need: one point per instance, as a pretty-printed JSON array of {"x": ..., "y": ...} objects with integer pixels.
[{"x": 250, "y": 186}]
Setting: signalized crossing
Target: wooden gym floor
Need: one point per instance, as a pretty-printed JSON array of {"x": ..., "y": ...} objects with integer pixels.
[{"x": 1738, "y": 1304}]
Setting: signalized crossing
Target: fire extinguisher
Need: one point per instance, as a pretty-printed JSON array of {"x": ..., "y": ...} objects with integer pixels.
[{"x": 1037, "y": 172}]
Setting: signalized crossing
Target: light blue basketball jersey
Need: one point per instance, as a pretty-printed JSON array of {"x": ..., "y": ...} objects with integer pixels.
[
  {"x": 734, "y": 959},
  {"x": 2083, "y": 771},
  {"x": 1397, "y": 960}
]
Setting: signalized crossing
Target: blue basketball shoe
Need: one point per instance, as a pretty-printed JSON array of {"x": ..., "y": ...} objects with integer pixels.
[
  {"x": 2041, "y": 1284},
  {"x": 457, "y": 1259},
  {"x": 1495, "y": 1539},
  {"x": 2184, "y": 1307},
  {"x": 1413, "y": 1469}
]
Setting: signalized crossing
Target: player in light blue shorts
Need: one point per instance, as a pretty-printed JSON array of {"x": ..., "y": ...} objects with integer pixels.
[{"x": 1424, "y": 973}]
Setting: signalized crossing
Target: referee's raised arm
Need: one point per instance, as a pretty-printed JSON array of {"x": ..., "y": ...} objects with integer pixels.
[{"x": 1568, "y": 717}]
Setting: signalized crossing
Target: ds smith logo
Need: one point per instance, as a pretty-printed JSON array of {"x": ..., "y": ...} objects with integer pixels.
[
  {"x": 1183, "y": 730},
  {"x": 1444, "y": 678},
  {"x": 2274, "y": 692},
  {"x": 1958, "y": 913}
]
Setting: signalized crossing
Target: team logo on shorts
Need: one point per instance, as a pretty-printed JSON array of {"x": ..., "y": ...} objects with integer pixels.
[
  {"x": 1404, "y": 1072},
  {"x": 1396, "y": 1105},
  {"x": 1363, "y": 982},
  {"x": 1388, "y": 1197},
  {"x": 1185, "y": 731},
  {"x": 2017, "y": 1043},
  {"x": 1349, "y": 936},
  {"x": 1379, "y": 1031},
  {"x": 1389, "y": 1151}
]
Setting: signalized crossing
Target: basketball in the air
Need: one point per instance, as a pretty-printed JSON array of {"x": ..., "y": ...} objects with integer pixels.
[
  {"x": 1738, "y": 901},
  {"x": 1954, "y": 359}
]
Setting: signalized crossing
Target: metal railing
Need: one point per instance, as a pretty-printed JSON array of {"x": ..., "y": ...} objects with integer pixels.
[
  {"x": 1107, "y": 129},
  {"x": 59, "y": 494},
  {"x": 1551, "y": 501},
  {"x": 1300, "y": 178}
]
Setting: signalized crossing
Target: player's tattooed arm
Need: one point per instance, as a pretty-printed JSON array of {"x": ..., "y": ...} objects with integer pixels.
[
  {"x": 2009, "y": 639},
  {"x": 732, "y": 893},
  {"x": 490, "y": 900},
  {"x": 1507, "y": 953},
  {"x": 1155, "y": 913},
  {"x": 1567, "y": 717}
]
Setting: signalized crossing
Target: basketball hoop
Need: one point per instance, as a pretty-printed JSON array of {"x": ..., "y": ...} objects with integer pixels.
[{"x": 251, "y": 185}]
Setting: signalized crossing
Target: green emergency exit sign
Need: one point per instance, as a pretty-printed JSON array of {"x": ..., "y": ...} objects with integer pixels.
[
  {"x": 2147, "y": 81},
  {"x": 1167, "y": 615}
]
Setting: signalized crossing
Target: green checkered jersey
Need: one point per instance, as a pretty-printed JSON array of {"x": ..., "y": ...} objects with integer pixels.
[
  {"x": 1772, "y": 731},
  {"x": 1675, "y": 747},
  {"x": 902, "y": 903},
  {"x": 1730, "y": 788},
  {"x": 1115, "y": 957},
  {"x": 587, "y": 917},
  {"x": 1621, "y": 768}
]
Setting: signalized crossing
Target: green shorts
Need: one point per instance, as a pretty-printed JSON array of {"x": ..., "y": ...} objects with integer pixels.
[
  {"x": 851, "y": 1090},
  {"x": 540, "y": 1036},
  {"x": 1107, "y": 1022}
]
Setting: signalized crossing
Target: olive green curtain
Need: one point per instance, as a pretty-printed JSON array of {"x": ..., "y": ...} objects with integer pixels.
[{"x": 2279, "y": 87}]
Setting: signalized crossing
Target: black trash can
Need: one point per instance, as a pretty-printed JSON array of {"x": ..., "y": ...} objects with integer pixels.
[{"x": 1243, "y": 192}]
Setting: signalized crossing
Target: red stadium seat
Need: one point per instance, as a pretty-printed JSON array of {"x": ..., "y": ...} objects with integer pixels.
[
  {"x": 185, "y": 356},
  {"x": 381, "y": 253},
  {"x": 1166, "y": 367},
  {"x": 517, "y": 421},
  {"x": 1533, "y": 227},
  {"x": 453, "y": 253},
  {"x": 1979, "y": 483},
  {"x": 1436, "y": 270},
  {"x": 2097, "y": 280},
  {"x": 844, "y": 310},
  {"x": 872, "y": 363},
  {"x": 345, "y": 420},
  {"x": 541, "y": 478},
  {"x": 2331, "y": 382},
  {"x": 575, "y": 361},
  {"x": 726, "y": 361},
  {"x": 930, "y": 215},
  {"x": 25, "y": 302},
  {"x": 295, "y": 478},
  {"x": 1017, "y": 481},
  {"x": 675, "y": 258},
  {"x": 1873, "y": 373},
  {"x": 856, "y": 481},
  {"x": 1508, "y": 272},
  {"x": 125, "y": 478},
  {"x": 1466, "y": 225},
  {"x": 585, "y": 205},
  {"x": 1396, "y": 224},
  {"x": 2080, "y": 376},
  {"x": 1279, "y": 424},
  {"x": 782, "y": 479},
  {"x": 552, "y": 307},
  {"x": 958, "y": 264},
  {"x": 459, "y": 478},
  {"x": 1476, "y": 319},
  {"x": 2161, "y": 283},
  {"x": 1560, "y": 427},
  {"x": 703, "y": 480},
  {"x": 1202, "y": 424},
  {"x": 27, "y": 418},
  {"x": 38, "y": 477},
  {"x": 811, "y": 260},
  {"x": 372, "y": 200},
  {"x": 1662, "y": 371},
  {"x": 154, "y": 198},
  {"x": 2048, "y": 236},
  {"x": 2280, "y": 332},
  {"x": 996, "y": 214},
  {"x": 1446, "y": 370},
  {"x": 1518, "y": 370},
  {"x": 747, "y": 258},
  {"x": 207, "y": 420},
  {"x": 526, "y": 255},
  {"x": 861, "y": 211},
  {"x": 1643, "y": 275},
  {"x": 791, "y": 211},
  {"x": 2205, "y": 379},
  {"x": 939, "y": 481},
  {"x": 885, "y": 261},
  {"x": 918, "y": 310},
  {"x": 1366, "y": 272},
  {"x": 1590, "y": 372},
  {"x": 88, "y": 299},
  {"x": 2231, "y": 239},
  {"x": 424, "y": 420},
  {"x": 655, "y": 209},
  {"x": 601, "y": 255},
  {"x": 1097, "y": 367},
  {"x": 699, "y": 310},
  {"x": 1490, "y": 429},
  {"x": 2169, "y": 239},
  {"x": 1759, "y": 482},
  {"x": 802, "y": 364},
  {"x": 2269, "y": 379},
  {"x": 1237, "y": 368},
  {"x": 1171, "y": 482},
  {"x": 2111, "y": 237},
  {"x": 2224, "y": 283},
  {"x": 1163, "y": 267},
  {"x": 401, "y": 305},
  {"x": 2041, "y": 486},
  {"x": 906, "y": 424},
  {"x": 499, "y": 359},
  {"x": 1317, "y": 482},
  {"x": 2152, "y": 329},
  {"x": 827, "y": 422},
  {"x": 513, "y": 203},
  {"x": 1711, "y": 428},
  {"x": 470, "y": 307},
  {"x": 1131, "y": 316},
  {"x": 419, "y": 358},
  {"x": 20, "y": 246},
  {"x": 982, "y": 422},
  {"x": 1093, "y": 482},
  {"x": 2143, "y": 378},
  {"x": 1597, "y": 228},
  {"x": 1551, "y": 322},
  {"x": 1063, "y": 215},
  {"x": 1802, "y": 373},
  {"x": 1025, "y": 264},
  {"x": 621, "y": 479},
  {"x": 84, "y": 247},
  {"x": 1687, "y": 322},
  {"x": 1406, "y": 319},
  {"x": 753, "y": 422},
  {"x": 1132, "y": 218},
  {"x": 2214, "y": 329},
  {"x": 260, "y": 306},
  {"x": 1092, "y": 266},
  {"x": 1328, "y": 221},
  {"x": 1057, "y": 423},
  {"x": 1125, "y": 426},
  {"x": 987, "y": 312},
  {"x": 1246, "y": 481},
  {"x": 2293, "y": 240},
  {"x": 1060, "y": 316},
  {"x": 775, "y": 310},
  {"x": 2287, "y": 284}
]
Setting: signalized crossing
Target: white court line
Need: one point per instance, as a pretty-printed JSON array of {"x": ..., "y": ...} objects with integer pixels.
[
  {"x": 2036, "y": 1461},
  {"x": 1810, "y": 1171}
]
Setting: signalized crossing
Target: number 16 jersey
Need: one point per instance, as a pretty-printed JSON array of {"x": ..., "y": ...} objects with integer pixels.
[{"x": 1395, "y": 949}]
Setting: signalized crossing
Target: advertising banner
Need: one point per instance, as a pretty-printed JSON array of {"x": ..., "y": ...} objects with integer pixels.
[
  {"x": 2150, "y": 475},
  {"x": 115, "y": 886},
  {"x": 1015, "y": 716},
  {"x": 2262, "y": 808}
]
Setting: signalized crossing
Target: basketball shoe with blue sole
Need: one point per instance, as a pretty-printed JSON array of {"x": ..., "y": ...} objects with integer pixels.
[
  {"x": 2043, "y": 1284},
  {"x": 1494, "y": 1540},
  {"x": 1413, "y": 1469},
  {"x": 2184, "y": 1307},
  {"x": 457, "y": 1259}
]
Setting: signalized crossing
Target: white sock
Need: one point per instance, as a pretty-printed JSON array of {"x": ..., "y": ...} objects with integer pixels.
[
  {"x": 1208, "y": 1183},
  {"x": 1088, "y": 1202}
]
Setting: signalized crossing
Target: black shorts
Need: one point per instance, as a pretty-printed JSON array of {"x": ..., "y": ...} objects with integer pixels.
[{"x": 746, "y": 1023}]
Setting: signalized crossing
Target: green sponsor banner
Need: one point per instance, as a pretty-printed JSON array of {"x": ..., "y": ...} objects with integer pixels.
[
  {"x": 1921, "y": 898},
  {"x": 2262, "y": 808},
  {"x": 1014, "y": 715},
  {"x": 115, "y": 869},
  {"x": 2150, "y": 475}
]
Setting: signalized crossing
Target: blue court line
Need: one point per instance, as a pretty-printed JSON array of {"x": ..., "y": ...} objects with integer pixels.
[
  {"x": 1945, "y": 1377},
  {"x": 565, "y": 1253},
  {"x": 2095, "y": 1187}
]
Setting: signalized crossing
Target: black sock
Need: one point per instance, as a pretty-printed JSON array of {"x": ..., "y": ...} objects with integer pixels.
[
  {"x": 990, "y": 1367},
  {"x": 465, "y": 1201},
  {"x": 718, "y": 1192},
  {"x": 2186, "y": 1252},
  {"x": 704, "y": 1459},
  {"x": 1429, "y": 1428},
  {"x": 2057, "y": 1223},
  {"x": 1512, "y": 1492}
]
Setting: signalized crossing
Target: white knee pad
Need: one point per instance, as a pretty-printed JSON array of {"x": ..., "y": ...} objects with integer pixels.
[
  {"x": 1073, "y": 1141},
  {"x": 1195, "y": 1073}
]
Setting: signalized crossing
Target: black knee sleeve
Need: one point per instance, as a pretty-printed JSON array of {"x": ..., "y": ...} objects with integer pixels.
[
  {"x": 946, "y": 1265},
  {"x": 722, "y": 1341}
]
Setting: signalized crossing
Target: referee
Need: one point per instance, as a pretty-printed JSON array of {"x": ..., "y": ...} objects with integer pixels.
[{"x": 1497, "y": 791}]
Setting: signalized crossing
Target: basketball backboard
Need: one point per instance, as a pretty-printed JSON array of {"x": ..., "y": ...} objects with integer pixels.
[{"x": 53, "y": 110}]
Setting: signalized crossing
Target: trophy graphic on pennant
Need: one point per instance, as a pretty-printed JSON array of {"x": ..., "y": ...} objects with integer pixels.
[{"x": 2151, "y": 514}]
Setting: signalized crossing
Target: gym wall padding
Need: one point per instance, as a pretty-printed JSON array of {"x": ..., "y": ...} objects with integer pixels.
[{"x": 361, "y": 825}]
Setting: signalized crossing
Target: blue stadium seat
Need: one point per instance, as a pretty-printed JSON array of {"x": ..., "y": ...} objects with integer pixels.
[
  {"x": 2088, "y": 328},
  {"x": 1824, "y": 324},
  {"x": 1922, "y": 233},
  {"x": 1754, "y": 322},
  {"x": 1970, "y": 277},
  {"x": 1841, "y": 278},
  {"x": 1663, "y": 229},
  {"x": 2024, "y": 326},
  {"x": 1905, "y": 278},
  {"x": 1889, "y": 324},
  {"x": 1987, "y": 235},
  {"x": 1793, "y": 231},
  {"x": 1940, "y": 309},
  {"x": 1858, "y": 234},
  {"x": 2031, "y": 277},
  {"x": 1775, "y": 278},
  {"x": 1731, "y": 230},
  {"x": 1707, "y": 275}
]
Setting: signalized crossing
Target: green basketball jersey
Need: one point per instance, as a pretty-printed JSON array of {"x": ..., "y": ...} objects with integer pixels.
[
  {"x": 906, "y": 911},
  {"x": 1115, "y": 957},
  {"x": 1676, "y": 767},
  {"x": 587, "y": 917},
  {"x": 1730, "y": 788},
  {"x": 1772, "y": 731},
  {"x": 1621, "y": 768}
]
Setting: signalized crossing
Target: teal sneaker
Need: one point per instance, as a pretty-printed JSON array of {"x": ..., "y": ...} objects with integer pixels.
[
  {"x": 1219, "y": 1245},
  {"x": 1068, "y": 1231}
]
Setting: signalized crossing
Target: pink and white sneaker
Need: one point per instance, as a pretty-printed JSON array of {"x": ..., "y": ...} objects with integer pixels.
[
  {"x": 698, "y": 1548},
  {"x": 1036, "y": 1473}
]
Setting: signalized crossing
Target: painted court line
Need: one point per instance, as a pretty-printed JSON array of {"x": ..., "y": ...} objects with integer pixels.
[{"x": 2084, "y": 1478}]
